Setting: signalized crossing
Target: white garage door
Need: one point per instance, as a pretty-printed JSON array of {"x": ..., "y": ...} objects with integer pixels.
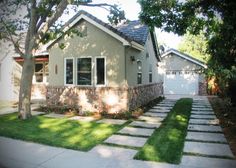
[{"x": 181, "y": 83}]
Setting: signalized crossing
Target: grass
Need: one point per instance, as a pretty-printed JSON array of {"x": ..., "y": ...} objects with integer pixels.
[
  {"x": 56, "y": 132},
  {"x": 167, "y": 142}
]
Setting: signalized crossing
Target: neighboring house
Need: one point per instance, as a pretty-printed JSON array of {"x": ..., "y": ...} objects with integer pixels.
[
  {"x": 106, "y": 68},
  {"x": 182, "y": 74}
]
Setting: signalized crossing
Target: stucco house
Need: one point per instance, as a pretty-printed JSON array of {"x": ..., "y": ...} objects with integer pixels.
[
  {"x": 106, "y": 68},
  {"x": 182, "y": 74}
]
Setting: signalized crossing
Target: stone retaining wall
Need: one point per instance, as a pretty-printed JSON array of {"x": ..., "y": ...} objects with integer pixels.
[{"x": 109, "y": 99}]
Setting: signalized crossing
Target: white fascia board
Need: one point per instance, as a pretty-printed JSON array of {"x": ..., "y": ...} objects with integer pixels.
[
  {"x": 137, "y": 46},
  {"x": 183, "y": 56}
]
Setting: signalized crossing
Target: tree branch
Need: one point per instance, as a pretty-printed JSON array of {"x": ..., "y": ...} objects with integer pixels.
[{"x": 10, "y": 38}]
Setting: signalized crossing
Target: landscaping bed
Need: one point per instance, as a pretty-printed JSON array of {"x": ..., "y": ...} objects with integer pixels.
[
  {"x": 57, "y": 132},
  {"x": 226, "y": 113},
  {"x": 167, "y": 142}
]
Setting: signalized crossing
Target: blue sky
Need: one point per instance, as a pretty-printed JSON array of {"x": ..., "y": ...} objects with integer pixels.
[{"x": 132, "y": 9}]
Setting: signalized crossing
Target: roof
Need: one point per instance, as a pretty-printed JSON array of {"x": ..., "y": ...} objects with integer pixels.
[
  {"x": 185, "y": 56},
  {"x": 130, "y": 32},
  {"x": 134, "y": 30}
]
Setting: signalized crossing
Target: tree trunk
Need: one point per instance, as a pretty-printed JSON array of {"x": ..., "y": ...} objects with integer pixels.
[{"x": 24, "y": 107}]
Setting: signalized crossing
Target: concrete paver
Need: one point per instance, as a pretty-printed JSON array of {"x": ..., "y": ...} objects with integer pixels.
[
  {"x": 35, "y": 113},
  {"x": 204, "y": 121},
  {"x": 137, "y": 131},
  {"x": 209, "y": 128},
  {"x": 211, "y": 149},
  {"x": 54, "y": 115},
  {"x": 202, "y": 109},
  {"x": 150, "y": 119},
  {"x": 158, "y": 111},
  {"x": 206, "y": 162},
  {"x": 203, "y": 136},
  {"x": 8, "y": 110},
  {"x": 203, "y": 112},
  {"x": 198, "y": 116},
  {"x": 145, "y": 124},
  {"x": 83, "y": 118},
  {"x": 162, "y": 115},
  {"x": 112, "y": 121},
  {"x": 126, "y": 140},
  {"x": 163, "y": 108}
]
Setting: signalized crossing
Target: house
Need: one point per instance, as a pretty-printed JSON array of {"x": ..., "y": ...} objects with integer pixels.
[
  {"x": 182, "y": 74},
  {"x": 106, "y": 68}
]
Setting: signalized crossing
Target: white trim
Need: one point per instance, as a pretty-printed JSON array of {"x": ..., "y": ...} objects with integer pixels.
[
  {"x": 183, "y": 56},
  {"x": 76, "y": 71},
  {"x": 68, "y": 58},
  {"x": 137, "y": 46},
  {"x": 105, "y": 72}
]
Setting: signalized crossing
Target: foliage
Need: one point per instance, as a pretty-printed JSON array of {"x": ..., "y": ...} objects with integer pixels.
[
  {"x": 195, "y": 46},
  {"x": 215, "y": 18},
  {"x": 167, "y": 142},
  {"x": 57, "y": 132}
]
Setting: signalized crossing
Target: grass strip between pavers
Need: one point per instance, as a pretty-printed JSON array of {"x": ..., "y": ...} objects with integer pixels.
[
  {"x": 167, "y": 142},
  {"x": 57, "y": 132}
]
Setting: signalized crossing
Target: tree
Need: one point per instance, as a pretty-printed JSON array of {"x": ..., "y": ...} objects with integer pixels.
[
  {"x": 195, "y": 45},
  {"x": 40, "y": 21},
  {"x": 216, "y": 18}
]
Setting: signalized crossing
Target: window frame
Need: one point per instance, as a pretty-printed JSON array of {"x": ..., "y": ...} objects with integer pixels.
[
  {"x": 76, "y": 71},
  {"x": 105, "y": 70},
  {"x": 139, "y": 71},
  {"x": 150, "y": 73},
  {"x": 65, "y": 59}
]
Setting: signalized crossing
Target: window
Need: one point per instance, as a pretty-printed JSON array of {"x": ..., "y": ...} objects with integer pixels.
[
  {"x": 150, "y": 73},
  {"x": 38, "y": 71},
  {"x": 84, "y": 71},
  {"x": 100, "y": 71},
  {"x": 139, "y": 76},
  {"x": 69, "y": 71}
]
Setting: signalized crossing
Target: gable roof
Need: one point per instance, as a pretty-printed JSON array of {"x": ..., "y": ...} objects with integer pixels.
[
  {"x": 184, "y": 56},
  {"x": 124, "y": 33}
]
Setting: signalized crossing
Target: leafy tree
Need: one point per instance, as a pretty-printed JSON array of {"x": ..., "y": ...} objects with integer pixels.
[
  {"x": 216, "y": 18},
  {"x": 39, "y": 19},
  {"x": 195, "y": 45}
]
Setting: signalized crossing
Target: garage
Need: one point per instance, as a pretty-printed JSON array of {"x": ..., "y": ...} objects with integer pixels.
[
  {"x": 182, "y": 74},
  {"x": 181, "y": 82}
]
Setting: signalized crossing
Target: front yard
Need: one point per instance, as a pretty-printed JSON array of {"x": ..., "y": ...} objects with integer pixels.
[{"x": 56, "y": 132}]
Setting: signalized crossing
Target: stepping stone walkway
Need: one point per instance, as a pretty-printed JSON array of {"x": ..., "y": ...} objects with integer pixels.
[
  {"x": 35, "y": 113},
  {"x": 112, "y": 121},
  {"x": 205, "y": 144},
  {"x": 126, "y": 140},
  {"x": 54, "y": 115},
  {"x": 136, "y": 133},
  {"x": 82, "y": 118}
]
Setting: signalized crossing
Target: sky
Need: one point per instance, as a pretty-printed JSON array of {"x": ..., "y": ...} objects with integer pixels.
[{"x": 132, "y": 9}]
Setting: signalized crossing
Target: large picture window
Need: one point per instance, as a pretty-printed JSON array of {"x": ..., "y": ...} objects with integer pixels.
[
  {"x": 84, "y": 71},
  {"x": 69, "y": 71},
  {"x": 100, "y": 71}
]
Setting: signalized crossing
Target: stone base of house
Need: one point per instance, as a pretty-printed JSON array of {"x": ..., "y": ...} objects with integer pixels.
[
  {"x": 202, "y": 90},
  {"x": 38, "y": 91},
  {"x": 99, "y": 99}
]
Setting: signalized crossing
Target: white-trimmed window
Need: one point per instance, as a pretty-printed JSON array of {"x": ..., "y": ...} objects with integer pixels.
[
  {"x": 100, "y": 75},
  {"x": 84, "y": 71},
  {"x": 150, "y": 73},
  {"x": 69, "y": 71},
  {"x": 139, "y": 75}
]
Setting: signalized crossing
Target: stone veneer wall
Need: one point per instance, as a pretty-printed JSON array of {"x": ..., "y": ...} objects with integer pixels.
[
  {"x": 143, "y": 94},
  {"x": 109, "y": 99},
  {"x": 39, "y": 91},
  {"x": 202, "y": 90}
]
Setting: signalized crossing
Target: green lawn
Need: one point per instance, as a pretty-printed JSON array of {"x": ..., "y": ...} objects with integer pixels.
[
  {"x": 56, "y": 132},
  {"x": 166, "y": 143}
]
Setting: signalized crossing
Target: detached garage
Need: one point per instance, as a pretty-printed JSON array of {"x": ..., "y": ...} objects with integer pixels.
[{"x": 182, "y": 74}]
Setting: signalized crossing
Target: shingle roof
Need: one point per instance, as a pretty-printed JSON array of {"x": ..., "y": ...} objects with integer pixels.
[
  {"x": 135, "y": 30},
  {"x": 131, "y": 31}
]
